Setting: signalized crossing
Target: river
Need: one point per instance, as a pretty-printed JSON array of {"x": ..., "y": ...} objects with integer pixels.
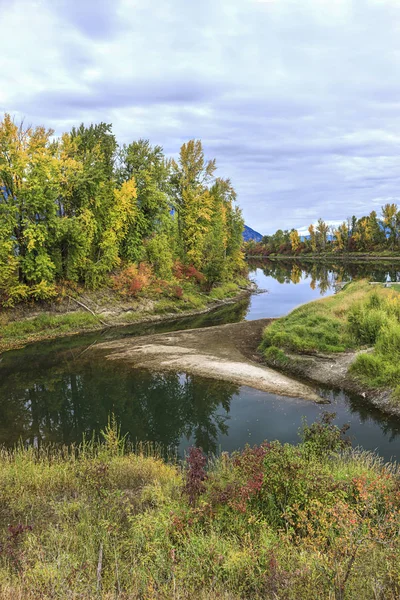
[{"x": 57, "y": 392}]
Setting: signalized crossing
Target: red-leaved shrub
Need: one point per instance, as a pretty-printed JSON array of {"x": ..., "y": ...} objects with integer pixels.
[
  {"x": 196, "y": 474},
  {"x": 132, "y": 280}
]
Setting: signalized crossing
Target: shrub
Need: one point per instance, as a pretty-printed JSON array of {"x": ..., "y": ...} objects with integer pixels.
[
  {"x": 192, "y": 273},
  {"x": 275, "y": 356},
  {"x": 389, "y": 341},
  {"x": 16, "y": 294},
  {"x": 178, "y": 292},
  {"x": 195, "y": 474},
  {"x": 367, "y": 365},
  {"x": 132, "y": 280},
  {"x": 44, "y": 291},
  {"x": 188, "y": 272},
  {"x": 270, "y": 521},
  {"x": 323, "y": 436},
  {"x": 159, "y": 255}
]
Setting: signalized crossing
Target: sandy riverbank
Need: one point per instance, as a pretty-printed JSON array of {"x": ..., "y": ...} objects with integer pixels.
[{"x": 227, "y": 352}]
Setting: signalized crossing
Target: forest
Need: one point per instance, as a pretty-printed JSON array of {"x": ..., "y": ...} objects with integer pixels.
[
  {"x": 82, "y": 210},
  {"x": 368, "y": 234}
]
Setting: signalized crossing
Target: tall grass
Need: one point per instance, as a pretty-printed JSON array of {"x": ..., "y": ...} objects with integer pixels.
[
  {"x": 47, "y": 323},
  {"x": 282, "y": 522}
]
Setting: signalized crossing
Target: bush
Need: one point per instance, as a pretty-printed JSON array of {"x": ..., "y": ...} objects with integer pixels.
[
  {"x": 323, "y": 437},
  {"x": 226, "y": 290},
  {"x": 367, "y": 365},
  {"x": 271, "y": 521},
  {"x": 133, "y": 280},
  {"x": 388, "y": 343},
  {"x": 44, "y": 291},
  {"x": 188, "y": 272}
]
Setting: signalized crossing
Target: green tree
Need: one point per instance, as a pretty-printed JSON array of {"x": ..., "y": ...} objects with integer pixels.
[
  {"x": 151, "y": 171},
  {"x": 29, "y": 185},
  {"x": 377, "y": 234},
  {"x": 223, "y": 244},
  {"x": 191, "y": 175},
  {"x": 389, "y": 212}
]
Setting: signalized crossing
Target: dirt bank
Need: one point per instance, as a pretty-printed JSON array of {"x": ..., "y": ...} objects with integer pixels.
[
  {"x": 333, "y": 370},
  {"x": 37, "y": 323},
  {"x": 226, "y": 352}
]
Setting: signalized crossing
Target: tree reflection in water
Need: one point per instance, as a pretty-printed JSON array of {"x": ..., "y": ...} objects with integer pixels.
[
  {"x": 322, "y": 275},
  {"x": 159, "y": 407},
  {"x": 58, "y": 392}
]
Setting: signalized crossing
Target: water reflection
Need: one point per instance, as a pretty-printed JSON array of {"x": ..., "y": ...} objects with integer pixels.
[
  {"x": 61, "y": 396},
  {"x": 324, "y": 276},
  {"x": 58, "y": 391},
  {"x": 68, "y": 401}
]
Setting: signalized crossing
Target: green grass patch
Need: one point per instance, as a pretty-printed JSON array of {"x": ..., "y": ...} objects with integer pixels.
[
  {"x": 166, "y": 306},
  {"x": 360, "y": 316},
  {"x": 276, "y": 356},
  {"x": 194, "y": 301},
  {"x": 225, "y": 290},
  {"x": 47, "y": 324}
]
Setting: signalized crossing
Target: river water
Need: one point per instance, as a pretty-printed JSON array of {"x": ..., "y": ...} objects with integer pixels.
[{"x": 57, "y": 392}]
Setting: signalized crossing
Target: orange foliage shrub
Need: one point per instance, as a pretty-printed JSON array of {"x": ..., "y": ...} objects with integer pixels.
[{"x": 134, "y": 279}]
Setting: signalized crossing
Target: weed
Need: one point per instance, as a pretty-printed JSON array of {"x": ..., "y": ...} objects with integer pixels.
[
  {"x": 196, "y": 474},
  {"x": 272, "y": 521}
]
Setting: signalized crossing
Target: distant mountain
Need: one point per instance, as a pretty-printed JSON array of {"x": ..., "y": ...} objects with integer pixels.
[{"x": 250, "y": 234}]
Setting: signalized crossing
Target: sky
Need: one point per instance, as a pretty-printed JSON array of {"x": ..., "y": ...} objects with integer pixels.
[{"x": 298, "y": 100}]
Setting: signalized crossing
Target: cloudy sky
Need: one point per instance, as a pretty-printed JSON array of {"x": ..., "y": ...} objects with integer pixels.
[{"x": 298, "y": 100}]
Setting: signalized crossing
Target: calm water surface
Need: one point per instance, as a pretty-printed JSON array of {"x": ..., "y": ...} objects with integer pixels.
[{"x": 56, "y": 391}]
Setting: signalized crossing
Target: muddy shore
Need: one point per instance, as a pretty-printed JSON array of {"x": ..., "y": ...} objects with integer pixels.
[
  {"x": 227, "y": 352},
  {"x": 333, "y": 370}
]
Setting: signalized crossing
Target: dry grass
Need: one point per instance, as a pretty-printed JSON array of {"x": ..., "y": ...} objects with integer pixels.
[{"x": 102, "y": 522}]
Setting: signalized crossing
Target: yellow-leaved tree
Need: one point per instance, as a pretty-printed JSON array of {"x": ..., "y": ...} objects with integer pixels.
[
  {"x": 294, "y": 240},
  {"x": 193, "y": 200},
  {"x": 29, "y": 186}
]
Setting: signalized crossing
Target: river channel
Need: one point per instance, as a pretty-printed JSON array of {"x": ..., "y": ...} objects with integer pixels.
[{"x": 57, "y": 392}]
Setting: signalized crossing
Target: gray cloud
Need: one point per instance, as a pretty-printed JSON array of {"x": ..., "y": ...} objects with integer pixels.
[
  {"x": 95, "y": 19},
  {"x": 110, "y": 95},
  {"x": 298, "y": 101}
]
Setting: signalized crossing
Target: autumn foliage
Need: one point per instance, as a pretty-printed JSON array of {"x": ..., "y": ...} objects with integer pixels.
[{"x": 80, "y": 208}]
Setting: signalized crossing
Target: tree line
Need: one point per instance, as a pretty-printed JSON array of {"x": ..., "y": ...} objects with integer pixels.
[
  {"x": 80, "y": 207},
  {"x": 366, "y": 234}
]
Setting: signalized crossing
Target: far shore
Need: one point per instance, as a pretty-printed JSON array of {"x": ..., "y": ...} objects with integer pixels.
[
  {"x": 350, "y": 257},
  {"x": 69, "y": 319}
]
